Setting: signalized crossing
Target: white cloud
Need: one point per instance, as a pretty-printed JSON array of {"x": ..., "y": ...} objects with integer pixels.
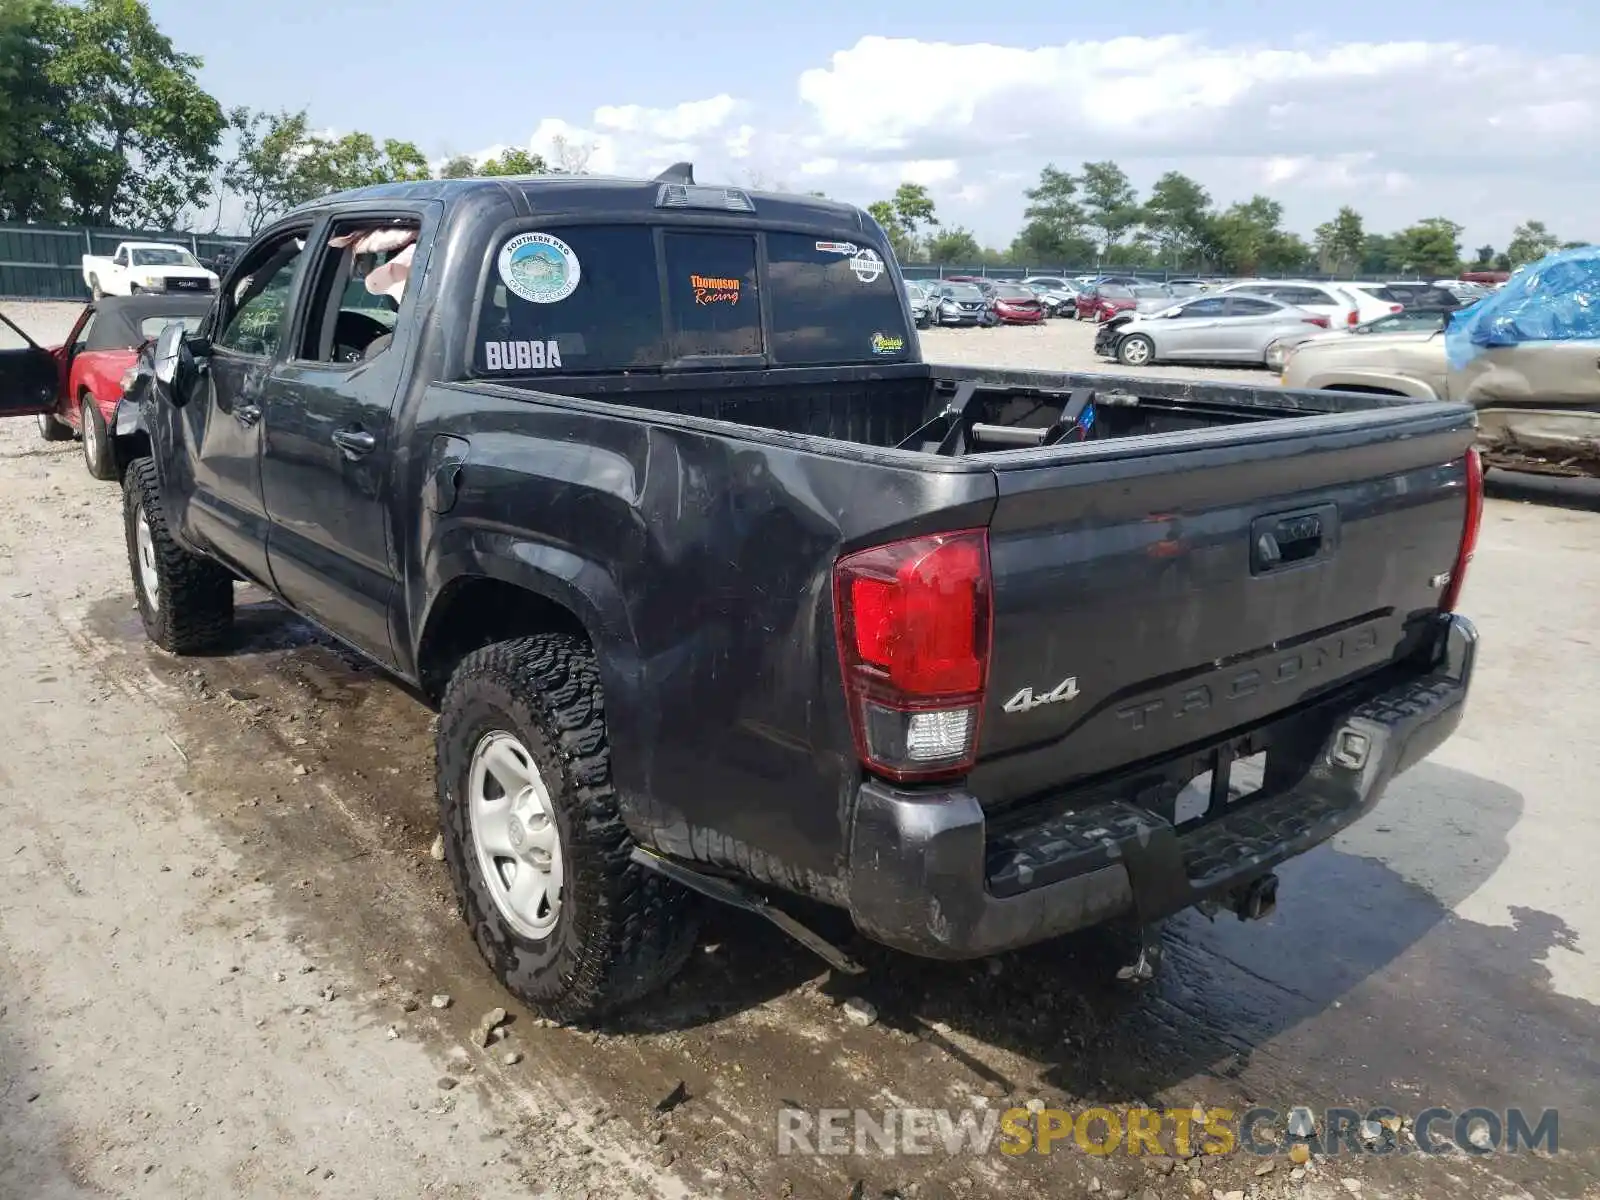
[{"x": 1400, "y": 130}]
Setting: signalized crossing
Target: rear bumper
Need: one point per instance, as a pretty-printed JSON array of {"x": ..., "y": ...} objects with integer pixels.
[{"x": 926, "y": 876}]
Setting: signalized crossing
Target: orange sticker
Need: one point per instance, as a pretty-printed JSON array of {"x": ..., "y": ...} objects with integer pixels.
[{"x": 708, "y": 289}]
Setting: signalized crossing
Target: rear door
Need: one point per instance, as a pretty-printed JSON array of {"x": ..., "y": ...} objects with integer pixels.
[
  {"x": 1131, "y": 585},
  {"x": 29, "y": 374},
  {"x": 1193, "y": 331}
]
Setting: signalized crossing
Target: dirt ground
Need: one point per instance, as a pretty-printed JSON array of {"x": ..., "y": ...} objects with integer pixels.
[{"x": 222, "y": 933}]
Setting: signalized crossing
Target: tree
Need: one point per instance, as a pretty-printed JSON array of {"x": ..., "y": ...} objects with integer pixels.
[
  {"x": 900, "y": 240},
  {"x": 1110, "y": 203},
  {"x": 138, "y": 133},
  {"x": 1529, "y": 242},
  {"x": 1176, "y": 215},
  {"x": 1483, "y": 258},
  {"x": 357, "y": 160},
  {"x": 955, "y": 245},
  {"x": 569, "y": 157},
  {"x": 1431, "y": 247},
  {"x": 458, "y": 166},
  {"x": 265, "y": 171},
  {"x": 1340, "y": 242},
  {"x": 1053, "y": 230},
  {"x": 513, "y": 161},
  {"x": 32, "y": 158},
  {"x": 914, "y": 208},
  {"x": 1247, "y": 239}
]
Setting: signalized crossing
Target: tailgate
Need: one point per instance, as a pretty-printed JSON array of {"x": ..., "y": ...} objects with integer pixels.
[{"x": 1163, "y": 592}]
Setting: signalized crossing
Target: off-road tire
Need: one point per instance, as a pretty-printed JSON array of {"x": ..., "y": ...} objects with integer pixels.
[
  {"x": 195, "y": 609},
  {"x": 99, "y": 455},
  {"x": 623, "y": 930},
  {"x": 52, "y": 430}
]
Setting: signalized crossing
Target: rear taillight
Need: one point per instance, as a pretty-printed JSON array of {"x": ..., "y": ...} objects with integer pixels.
[
  {"x": 1319, "y": 322},
  {"x": 1394, "y": 308},
  {"x": 1352, "y": 318},
  {"x": 913, "y": 624},
  {"x": 1469, "y": 531}
]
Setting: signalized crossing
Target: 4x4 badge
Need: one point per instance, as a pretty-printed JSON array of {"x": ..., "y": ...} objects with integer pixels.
[{"x": 1026, "y": 701}]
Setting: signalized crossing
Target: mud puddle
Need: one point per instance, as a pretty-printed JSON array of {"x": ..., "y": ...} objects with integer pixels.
[{"x": 1361, "y": 990}]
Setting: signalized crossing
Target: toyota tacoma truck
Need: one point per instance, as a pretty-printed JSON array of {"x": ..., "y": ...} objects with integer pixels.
[
  {"x": 721, "y": 590},
  {"x": 136, "y": 267}
]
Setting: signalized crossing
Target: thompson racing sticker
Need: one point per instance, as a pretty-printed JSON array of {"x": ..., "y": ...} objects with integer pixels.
[
  {"x": 539, "y": 267},
  {"x": 710, "y": 289}
]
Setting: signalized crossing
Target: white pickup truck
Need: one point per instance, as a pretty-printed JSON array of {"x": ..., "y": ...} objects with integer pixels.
[{"x": 146, "y": 267}]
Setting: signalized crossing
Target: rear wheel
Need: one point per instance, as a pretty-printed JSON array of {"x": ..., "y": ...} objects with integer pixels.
[
  {"x": 52, "y": 430},
  {"x": 535, "y": 844},
  {"x": 98, "y": 454},
  {"x": 185, "y": 602},
  {"x": 1136, "y": 350}
]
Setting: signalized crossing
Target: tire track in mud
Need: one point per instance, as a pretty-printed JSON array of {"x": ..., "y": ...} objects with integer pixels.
[{"x": 752, "y": 1026}]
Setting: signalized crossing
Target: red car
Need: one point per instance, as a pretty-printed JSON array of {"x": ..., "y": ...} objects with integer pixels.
[
  {"x": 1013, "y": 304},
  {"x": 1105, "y": 301},
  {"x": 101, "y": 348}
]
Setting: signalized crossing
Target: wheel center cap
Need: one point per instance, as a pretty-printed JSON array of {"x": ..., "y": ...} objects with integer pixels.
[{"x": 517, "y": 833}]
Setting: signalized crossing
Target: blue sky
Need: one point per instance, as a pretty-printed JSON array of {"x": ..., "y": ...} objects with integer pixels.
[{"x": 1437, "y": 125}]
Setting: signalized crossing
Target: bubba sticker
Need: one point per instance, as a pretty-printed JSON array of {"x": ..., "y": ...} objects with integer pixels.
[
  {"x": 867, "y": 265},
  {"x": 883, "y": 343},
  {"x": 837, "y": 247},
  {"x": 709, "y": 289},
  {"x": 539, "y": 267},
  {"x": 521, "y": 356}
]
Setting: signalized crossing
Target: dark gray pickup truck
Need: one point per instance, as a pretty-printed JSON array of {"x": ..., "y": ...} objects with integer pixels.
[{"x": 721, "y": 590}]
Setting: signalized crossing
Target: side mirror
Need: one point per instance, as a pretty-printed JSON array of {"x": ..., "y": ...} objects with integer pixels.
[
  {"x": 174, "y": 361},
  {"x": 169, "y": 346}
]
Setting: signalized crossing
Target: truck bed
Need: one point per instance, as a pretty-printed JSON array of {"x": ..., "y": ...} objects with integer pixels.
[{"x": 957, "y": 411}]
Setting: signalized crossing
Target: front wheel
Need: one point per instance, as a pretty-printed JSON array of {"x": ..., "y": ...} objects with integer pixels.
[
  {"x": 98, "y": 454},
  {"x": 52, "y": 430},
  {"x": 185, "y": 602},
  {"x": 536, "y": 847},
  {"x": 1136, "y": 350}
]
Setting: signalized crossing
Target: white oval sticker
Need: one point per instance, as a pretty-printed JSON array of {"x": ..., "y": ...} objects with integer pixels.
[
  {"x": 539, "y": 267},
  {"x": 867, "y": 265}
]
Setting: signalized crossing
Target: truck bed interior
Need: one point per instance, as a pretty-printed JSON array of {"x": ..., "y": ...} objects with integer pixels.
[{"x": 956, "y": 412}]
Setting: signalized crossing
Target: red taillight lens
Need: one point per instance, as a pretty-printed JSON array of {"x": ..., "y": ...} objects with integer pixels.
[
  {"x": 1352, "y": 318},
  {"x": 913, "y": 625},
  {"x": 1319, "y": 322},
  {"x": 1394, "y": 308},
  {"x": 1469, "y": 531}
]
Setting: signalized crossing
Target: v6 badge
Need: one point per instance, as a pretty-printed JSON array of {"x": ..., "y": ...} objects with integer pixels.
[{"x": 1026, "y": 701}]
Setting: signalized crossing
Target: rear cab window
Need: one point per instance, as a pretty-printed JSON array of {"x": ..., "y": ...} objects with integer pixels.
[{"x": 581, "y": 299}]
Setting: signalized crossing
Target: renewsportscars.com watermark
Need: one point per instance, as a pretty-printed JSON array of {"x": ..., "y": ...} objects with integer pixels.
[{"x": 1178, "y": 1133}]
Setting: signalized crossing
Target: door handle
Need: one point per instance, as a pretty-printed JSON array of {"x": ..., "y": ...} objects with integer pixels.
[
  {"x": 354, "y": 442},
  {"x": 246, "y": 414}
]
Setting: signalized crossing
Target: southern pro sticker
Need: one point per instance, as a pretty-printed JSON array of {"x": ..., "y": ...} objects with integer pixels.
[
  {"x": 539, "y": 267},
  {"x": 867, "y": 265}
]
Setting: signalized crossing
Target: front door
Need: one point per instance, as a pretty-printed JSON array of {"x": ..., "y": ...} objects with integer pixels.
[
  {"x": 29, "y": 374},
  {"x": 328, "y": 436},
  {"x": 226, "y": 511}
]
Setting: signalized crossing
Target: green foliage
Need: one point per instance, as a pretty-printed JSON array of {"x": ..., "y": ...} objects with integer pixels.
[
  {"x": 1340, "y": 241},
  {"x": 955, "y": 245},
  {"x": 137, "y": 135},
  {"x": 1177, "y": 217},
  {"x": 1053, "y": 229},
  {"x": 32, "y": 159},
  {"x": 1483, "y": 259},
  {"x": 1247, "y": 239},
  {"x": 513, "y": 161},
  {"x": 1530, "y": 242},
  {"x": 1430, "y": 248},
  {"x": 1111, "y": 206}
]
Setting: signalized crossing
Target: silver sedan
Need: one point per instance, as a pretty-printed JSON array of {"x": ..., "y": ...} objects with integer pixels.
[{"x": 1225, "y": 328}]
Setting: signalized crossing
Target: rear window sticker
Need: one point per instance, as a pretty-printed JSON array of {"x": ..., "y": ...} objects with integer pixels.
[
  {"x": 710, "y": 289},
  {"x": 522, "y": 356},
  {"x": 885, "y": 343},
  {"x": 867, "y": 265},
  {"x": 539, "y": 267},
  {"x": 837, "y": 247}
]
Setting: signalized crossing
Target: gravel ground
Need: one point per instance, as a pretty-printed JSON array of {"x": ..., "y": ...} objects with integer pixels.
[{"x": 221, "y": 929}]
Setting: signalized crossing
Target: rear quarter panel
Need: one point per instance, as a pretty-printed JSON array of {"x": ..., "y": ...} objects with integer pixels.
[
  {"x": 699, "y": 559},
  {"x": 99, "y": 372}
]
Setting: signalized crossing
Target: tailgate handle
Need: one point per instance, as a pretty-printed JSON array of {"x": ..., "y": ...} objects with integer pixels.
[{"x": 1293, "y": 539}]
